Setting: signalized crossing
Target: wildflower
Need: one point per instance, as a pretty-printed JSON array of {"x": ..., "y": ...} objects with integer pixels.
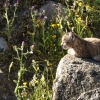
[
  {"x": 36, "y": 82},
  {"x": 87, "y": 7},
  {"x": 55, "y": 25},
  {"x": 45, "y": 17},
  {"x": 23, "y": 42},
  {"x": 6, "y": 4},
  {"x": 80, "y": 3},
  {"x": 54, "y": 36},
  {"x": 32, "y": 7},
  {"x": 79, "y": 18},
  {"x": 17, "y": 1},
  {"x": 25, "y": 84},
  {"x": 38, "y": 20},
  {"x": 48, "y": 64},
  {"x": 58, "y": 25}
]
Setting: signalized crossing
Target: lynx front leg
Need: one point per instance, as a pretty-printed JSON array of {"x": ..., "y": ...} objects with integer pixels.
[
  {"x": 97, "y": 58},
  {"x": 71, "y": 52}
]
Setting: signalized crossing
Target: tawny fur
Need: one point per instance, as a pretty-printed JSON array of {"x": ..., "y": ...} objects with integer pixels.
[{"x": 84, "y": 48}]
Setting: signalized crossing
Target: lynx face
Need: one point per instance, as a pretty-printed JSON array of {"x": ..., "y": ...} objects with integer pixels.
[{"x": 67, "y": 40}]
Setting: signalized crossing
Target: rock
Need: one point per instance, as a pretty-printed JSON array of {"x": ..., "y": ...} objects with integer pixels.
[
  {"x": 50, "y": 8},
  {"x": 76, "y": 77},
  {"x": 6, "y": 90},
  {"x": 3, "y": 44},
  {"x": 90, "y": 95}
]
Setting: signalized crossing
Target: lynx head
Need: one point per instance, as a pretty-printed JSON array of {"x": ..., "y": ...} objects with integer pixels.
[{"x": 68, "y": 40}]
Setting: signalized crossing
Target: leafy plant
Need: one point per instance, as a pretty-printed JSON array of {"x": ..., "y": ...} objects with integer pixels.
[
  {"x": 9, "y": 21},
  {"x": 22, "y": 68}
]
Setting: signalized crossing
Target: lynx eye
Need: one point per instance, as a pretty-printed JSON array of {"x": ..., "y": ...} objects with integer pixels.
[{"x": 67, "y": 42}]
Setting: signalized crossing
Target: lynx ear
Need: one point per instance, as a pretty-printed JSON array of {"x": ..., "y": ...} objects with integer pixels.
[{"x": 71, "y": 35}]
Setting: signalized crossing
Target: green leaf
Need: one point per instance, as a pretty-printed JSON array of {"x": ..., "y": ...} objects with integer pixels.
[{"x": 10, "y": 66}]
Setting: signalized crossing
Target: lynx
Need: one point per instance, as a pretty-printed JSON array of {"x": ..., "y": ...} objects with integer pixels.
[{"x": 79, "y": 47}]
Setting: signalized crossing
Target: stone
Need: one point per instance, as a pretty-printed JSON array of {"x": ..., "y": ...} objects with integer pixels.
[
  {"x": 76, "y": 77},
  {"x": 3, "y": 44},
  {"x": 52, "y": 9}
]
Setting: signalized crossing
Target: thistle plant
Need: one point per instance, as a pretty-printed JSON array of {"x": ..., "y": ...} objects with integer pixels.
[
  {"x": 33, "y": 16},
  {"x": 9, "y": 21},
  {"x": 22, "y": 68}
]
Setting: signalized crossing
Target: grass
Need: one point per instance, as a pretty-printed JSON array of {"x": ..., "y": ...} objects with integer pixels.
[{"x": 33, "y": 54}]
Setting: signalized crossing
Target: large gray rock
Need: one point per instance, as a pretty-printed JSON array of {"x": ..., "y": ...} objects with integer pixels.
[
  {"x": 52, "y": 10},
  {"x": 76, "y": 77}
]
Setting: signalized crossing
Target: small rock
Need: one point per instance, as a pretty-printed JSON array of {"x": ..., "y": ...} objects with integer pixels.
[{"x": 3, "y": 44}]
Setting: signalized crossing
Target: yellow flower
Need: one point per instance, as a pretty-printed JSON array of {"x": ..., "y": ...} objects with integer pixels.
[
  {"x": 80, "y": 3},
  {"x": 87, "y": 7},
  {"x": 58, "y": 25},
  {"x": 24, "y": 83},
  {"x": 54, "y": 36},
  {"x": 38, "y": 20},
  {"x": 79, "y": 18},
  {"x": 48, "y": 64},
  {"x": 36, "y": 82},
  {"x": 55, "y": 25}
]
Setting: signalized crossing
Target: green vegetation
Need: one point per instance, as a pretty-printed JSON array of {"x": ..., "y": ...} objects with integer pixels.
[{"x": 32, "y": 63}]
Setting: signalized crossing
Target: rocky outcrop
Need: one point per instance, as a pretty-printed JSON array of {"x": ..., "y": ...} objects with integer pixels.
[
  {"x": 6, "y": 90},
  {"x": 77, "y": 79},
  {"x": 52, "y": 10}
]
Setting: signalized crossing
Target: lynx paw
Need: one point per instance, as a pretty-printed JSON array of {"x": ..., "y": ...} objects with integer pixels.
[{"x": 71, "y": 52}]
